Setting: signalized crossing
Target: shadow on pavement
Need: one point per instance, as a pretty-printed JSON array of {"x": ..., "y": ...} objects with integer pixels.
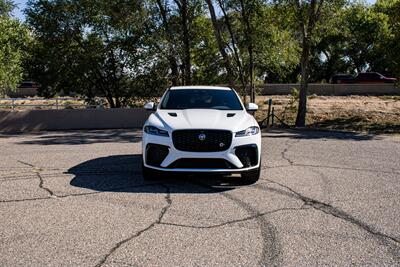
[
  {"x": 84, "y": 137},
  {"x": 361, "y": 124},
  {"x": 122, "y": 173},
  {"x": 317, "y": 134},
  {"x": 79, "y": 137}
]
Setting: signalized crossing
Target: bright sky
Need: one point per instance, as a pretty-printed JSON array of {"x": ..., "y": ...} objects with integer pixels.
[
  {"x": 20, "y": 6},
  {"x": 18, "y": 12}
]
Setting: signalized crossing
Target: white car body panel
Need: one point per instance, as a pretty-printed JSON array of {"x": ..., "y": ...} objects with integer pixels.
[{"x": 203, "y": 119}]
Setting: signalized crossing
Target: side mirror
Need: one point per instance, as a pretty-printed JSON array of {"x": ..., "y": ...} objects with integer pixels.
[
  {"x": 150, "y": 106},
  {"x": 251, "y": 107}
]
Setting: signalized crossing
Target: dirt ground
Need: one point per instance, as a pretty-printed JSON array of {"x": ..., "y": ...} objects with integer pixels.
[
  {"x": 37, "y": 103},
  {"x": 372, "y": 114}
]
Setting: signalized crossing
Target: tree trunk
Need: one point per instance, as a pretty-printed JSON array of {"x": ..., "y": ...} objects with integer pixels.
[
  {"x": 118, "y": 103},
  {"x": 186, "y": 43},
  {"x": 235, "y": 51},
  {"x": 110, "y": 101},
  {"x": 221, "y": 46},
  {"x": 174, "y": 70},
  {"x": 251, "y": 73},
  {"x": 171, "y": 58},
  {"x": 249, "y": 42},
  {"x": 307, "y": 28},
  {"x": 302, "y": 109}
]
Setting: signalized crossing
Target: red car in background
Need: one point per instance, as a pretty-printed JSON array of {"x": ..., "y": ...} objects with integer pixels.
[
  {"x": 366, "y": 77},
  {"x": 342, "y": 78}
]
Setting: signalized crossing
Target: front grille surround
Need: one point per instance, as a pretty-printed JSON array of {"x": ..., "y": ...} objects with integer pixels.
[{"x": 189, "y": 141}]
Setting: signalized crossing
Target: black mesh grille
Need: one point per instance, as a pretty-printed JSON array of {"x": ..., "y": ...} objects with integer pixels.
[
  {"x": 202, "y": 164},
  {"x": 247, "y": 154},
  {"x": 202, "y": 140},
  {"x": 155, "y": 154}
]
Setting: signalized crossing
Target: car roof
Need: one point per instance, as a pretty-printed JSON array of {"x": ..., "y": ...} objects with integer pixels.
[{"x": 199, "y": 87}]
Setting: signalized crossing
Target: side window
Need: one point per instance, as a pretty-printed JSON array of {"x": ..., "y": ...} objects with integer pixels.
[
  {"x": 165, "y": 101},
  {"x": 373, "y": 76},
  {"x": 376, "y": 76},
  {"x": 362, "y": 76}
]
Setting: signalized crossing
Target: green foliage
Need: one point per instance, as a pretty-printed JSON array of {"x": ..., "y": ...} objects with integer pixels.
[
  {"x": 277, "y": 51},
  {"x": 14, "y": 39},
  {"x": 387, "y": 56},
  {"x": 364, "y": 32},
  {"x": 6, "y": 7},
  {"x": 91, "y": 47},
  {"x": 127, "y": 49},
  {"x": 257, "y": 41},
  {"x": 206, "y": 60}
]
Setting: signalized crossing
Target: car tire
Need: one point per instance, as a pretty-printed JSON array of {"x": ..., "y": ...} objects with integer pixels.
[
  {"x": 150, "y": 174},
  {"x": 251, "y": 177}
]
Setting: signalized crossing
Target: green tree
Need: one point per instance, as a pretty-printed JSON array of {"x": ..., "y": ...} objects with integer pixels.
[
  {"x": 238, "y": 16},
  {"x": 93, "y": 47},
  {"x": 308, "y": 19},
  {"x": 386, "y": 56},
  {"x": 217, "y": 29},
  {"x": 175, "y": 33},
  {"x": 6, "y": 7},
  {"x": 360, "y": 38},
  {"x": 208, "y": 66},
  {"x": 329, "y": 55},
  {"x": 365, "y": 30},
  {"x": 14, "y": 39},
  {"x": 276, "y": 50},
  {"x": 254, "y": 46}
]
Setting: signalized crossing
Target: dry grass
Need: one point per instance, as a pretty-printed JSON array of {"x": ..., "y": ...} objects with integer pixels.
[
  {"x": 372, "y": 114},
  {"x": 37, "y": 103},
  {"x": 67, "y": 103},
  {"x": 351, "y": 113}
]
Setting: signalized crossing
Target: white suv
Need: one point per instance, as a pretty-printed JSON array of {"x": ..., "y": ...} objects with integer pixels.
[{"x": 201, "y": 129}]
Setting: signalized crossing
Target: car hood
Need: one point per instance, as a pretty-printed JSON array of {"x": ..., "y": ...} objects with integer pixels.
[{"x": 233, "y": 120}]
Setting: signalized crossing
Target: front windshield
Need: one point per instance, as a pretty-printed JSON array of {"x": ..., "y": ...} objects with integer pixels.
[{"x": 201, "y": 99}]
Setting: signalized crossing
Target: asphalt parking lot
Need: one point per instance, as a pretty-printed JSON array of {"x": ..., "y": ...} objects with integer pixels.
[{"x": 78, "y": 199}]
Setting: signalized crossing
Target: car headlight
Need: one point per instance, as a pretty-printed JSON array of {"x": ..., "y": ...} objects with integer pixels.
[
  {"x": 253, "y": 130},
  {"x": 155, "y": 131}
]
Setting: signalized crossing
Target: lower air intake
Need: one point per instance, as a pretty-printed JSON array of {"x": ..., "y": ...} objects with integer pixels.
[
  {"x": 248, "y": 155},
  {"x": 201, "y": 164},
  {"x": 155, "y": 154}
]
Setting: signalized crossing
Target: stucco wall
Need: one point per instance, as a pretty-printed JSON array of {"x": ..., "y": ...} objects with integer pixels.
[
  {"x": 67, "y": 119},
  {"x": 37, "y": 120}
]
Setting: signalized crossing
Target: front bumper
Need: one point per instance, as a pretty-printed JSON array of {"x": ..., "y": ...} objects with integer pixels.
[{"x": 228, "y": 155}]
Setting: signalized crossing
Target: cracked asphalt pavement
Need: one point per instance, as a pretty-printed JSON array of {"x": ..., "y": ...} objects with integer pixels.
[{"x": 77, "y": 198}]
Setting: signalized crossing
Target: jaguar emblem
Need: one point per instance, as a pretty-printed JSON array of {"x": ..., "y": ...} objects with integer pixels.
[{"x": 202, "y": 137}]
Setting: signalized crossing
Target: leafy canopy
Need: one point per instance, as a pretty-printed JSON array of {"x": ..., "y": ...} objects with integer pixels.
[{"x": 14, "y": 39}]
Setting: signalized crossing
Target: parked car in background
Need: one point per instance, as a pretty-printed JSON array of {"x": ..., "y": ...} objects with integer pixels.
[
  {"x": 365, "y": 77},
  {"x": 28, "y": 84},
  {"x": 373, "y": 77},
  {"x": 25, "y": 89},
  {"x": 342, "y": 78}
]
